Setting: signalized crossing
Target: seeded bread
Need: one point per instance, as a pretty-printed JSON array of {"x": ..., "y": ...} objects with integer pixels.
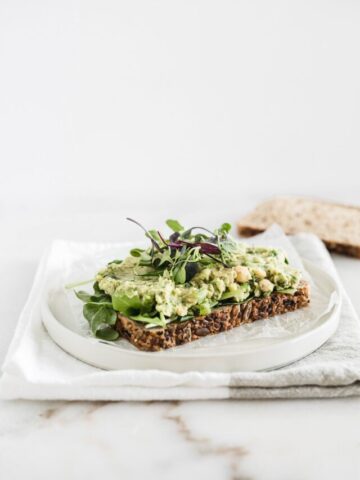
[
  {"x": 337, "y": 225},
  {"x": 220, "y": 320}
]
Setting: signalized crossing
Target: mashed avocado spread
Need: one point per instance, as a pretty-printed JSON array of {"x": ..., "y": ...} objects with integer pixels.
[
  {"x": 255, "y": 272},
  {"x": 188, "y": 274}
]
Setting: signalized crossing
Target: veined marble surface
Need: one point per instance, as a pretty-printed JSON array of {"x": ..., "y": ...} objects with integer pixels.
[{"x": 206, "y": 440}]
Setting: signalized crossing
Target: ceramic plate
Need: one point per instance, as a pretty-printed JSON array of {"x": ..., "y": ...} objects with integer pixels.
[{"x": 226, "y": 352}]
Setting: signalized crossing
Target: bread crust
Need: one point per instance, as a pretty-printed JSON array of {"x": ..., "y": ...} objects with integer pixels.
[
  {"x": 337, "y": 225},
  {"x": 219, "y": 320}
]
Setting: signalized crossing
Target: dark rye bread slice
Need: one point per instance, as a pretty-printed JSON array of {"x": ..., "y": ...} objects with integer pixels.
[
  {"x": 337, "y": 225},
  {"x": 220, "y": 320}
]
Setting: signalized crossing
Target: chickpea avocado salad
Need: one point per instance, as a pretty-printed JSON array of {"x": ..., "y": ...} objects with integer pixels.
[{"x": 191, "y": 283}]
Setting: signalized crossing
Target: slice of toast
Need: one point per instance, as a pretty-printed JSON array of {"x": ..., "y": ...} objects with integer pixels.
[
  {"x": 337, "y": 225},
  {"x": 219, "y": 320}
]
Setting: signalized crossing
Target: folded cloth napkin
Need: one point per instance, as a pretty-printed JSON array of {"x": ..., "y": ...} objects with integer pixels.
[{"x": 36, "y": 368}]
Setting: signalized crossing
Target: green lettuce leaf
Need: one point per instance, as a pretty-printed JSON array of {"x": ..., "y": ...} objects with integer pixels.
[
  {"x": 127, "y": 305},
  {"x": 147, "y": 319}
]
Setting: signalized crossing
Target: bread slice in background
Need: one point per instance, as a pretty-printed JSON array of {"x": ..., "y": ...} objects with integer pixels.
[{"x": 337, "y": 225}]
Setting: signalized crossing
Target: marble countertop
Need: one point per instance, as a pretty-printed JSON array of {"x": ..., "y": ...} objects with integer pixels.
[
  {"x": 297, "y": 439},
  {"x": 307, "y": 439}
]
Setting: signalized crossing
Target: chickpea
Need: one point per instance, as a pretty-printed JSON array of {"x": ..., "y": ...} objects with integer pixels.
[
  {"x": 233, "y": 287},
  {"x": 181, "y": 310},
  {"x": 205, "y": 274},
  {"x": 242, "y": 274},
  {"x": 266, "y": 286},
  {"x": 259, "y": 273},
  {"x": 219, "y": 285}
]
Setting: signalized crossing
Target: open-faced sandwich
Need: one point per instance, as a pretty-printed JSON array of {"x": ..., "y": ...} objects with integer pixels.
[{"x": 192, "y": 284}]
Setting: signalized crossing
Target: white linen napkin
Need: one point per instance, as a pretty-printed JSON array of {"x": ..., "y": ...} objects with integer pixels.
[{"x": 36, "y": 368}]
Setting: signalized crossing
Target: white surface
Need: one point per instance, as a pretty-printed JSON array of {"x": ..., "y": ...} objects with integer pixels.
[
  {"x": 99, "y": 95},
  {"x": 113, "y": 108}
]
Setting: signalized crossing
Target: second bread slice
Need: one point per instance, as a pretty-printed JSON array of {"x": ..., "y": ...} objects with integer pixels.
[{"x": 337, "y": 225}]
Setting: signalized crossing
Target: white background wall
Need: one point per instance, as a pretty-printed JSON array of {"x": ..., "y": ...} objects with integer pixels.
[
  {"x": 164, "y": 102},
  {"x": 190, "y": 109}
]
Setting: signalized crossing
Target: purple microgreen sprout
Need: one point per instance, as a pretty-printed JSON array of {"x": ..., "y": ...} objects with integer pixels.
[
  {"x": 187, "y": 233},
  {"x": 153, "y": 241},
  {"x": 162, "y": 239},
  {"x": 182, "y": 252}
]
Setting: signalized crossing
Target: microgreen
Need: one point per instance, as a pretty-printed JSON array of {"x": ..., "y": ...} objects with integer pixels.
[
  {"x": 115, "y": 261},
  {"x": 184, "y": 251},
  {"x": 150, "y": 234},
  {"x": 136, "y": 252},
  {"x": 174, "y": 225}
]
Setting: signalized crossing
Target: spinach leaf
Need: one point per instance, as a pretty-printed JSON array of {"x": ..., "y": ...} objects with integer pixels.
[
  {"x": 127, "y": 305},
  {"x": 90, "y": 310},
  {"x": 103, "y": 316},
  {"x": 147, "y": 319},
  {"x": 289, "y": 290},
  {"x": 97, "y": 289},
  {"x": 99, "y": 312},
  {"x": 185, "y": 317},
  {"x": 107, "y": 333},
  {"x": 83, "y": 296}
]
